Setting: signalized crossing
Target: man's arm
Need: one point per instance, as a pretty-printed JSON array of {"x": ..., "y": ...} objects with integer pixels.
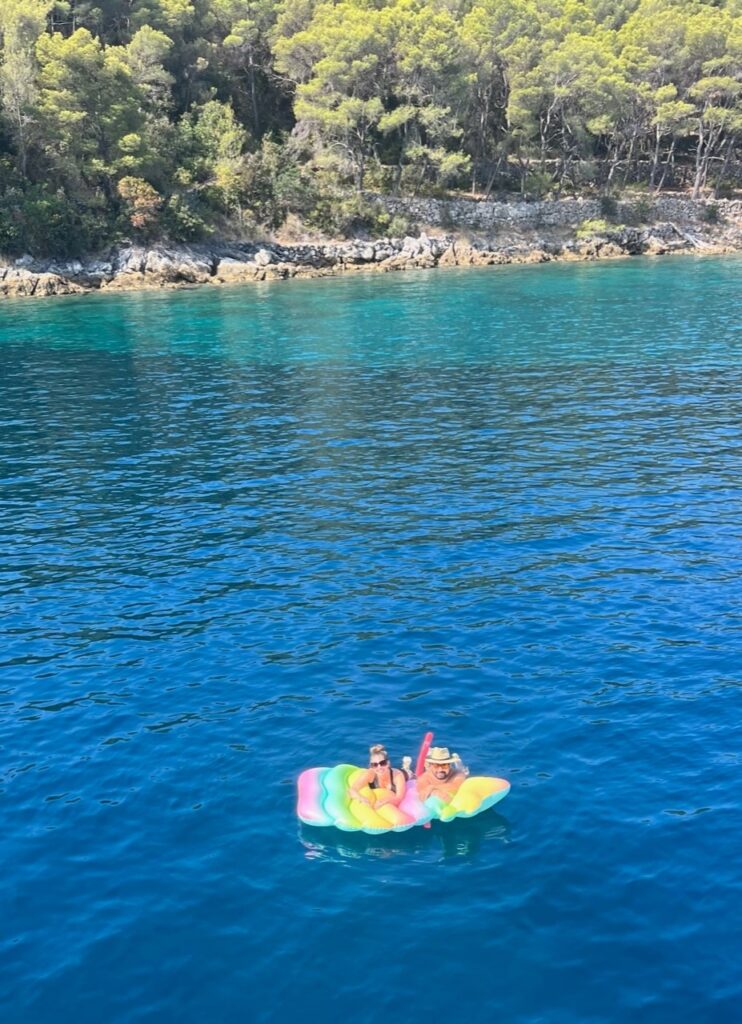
[{"x": 424, "y": 786}]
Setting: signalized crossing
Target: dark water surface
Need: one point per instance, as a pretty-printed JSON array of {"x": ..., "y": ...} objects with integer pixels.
[{"x": 246, "y": 531}]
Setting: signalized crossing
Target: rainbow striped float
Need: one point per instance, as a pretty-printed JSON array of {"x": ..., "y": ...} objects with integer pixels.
[{"x": 323, "y": 800}]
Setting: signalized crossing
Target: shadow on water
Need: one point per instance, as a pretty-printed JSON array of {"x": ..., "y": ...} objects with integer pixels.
[{"x": 442, "y": 841}]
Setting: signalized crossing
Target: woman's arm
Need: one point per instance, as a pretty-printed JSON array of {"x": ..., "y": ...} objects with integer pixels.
[
  {"x": 400, "y": 783},
  {"x": 353, "y": 790}
]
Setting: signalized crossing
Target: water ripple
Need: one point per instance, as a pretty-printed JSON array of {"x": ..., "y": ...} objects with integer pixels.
[{"x": 253, "y": 530}]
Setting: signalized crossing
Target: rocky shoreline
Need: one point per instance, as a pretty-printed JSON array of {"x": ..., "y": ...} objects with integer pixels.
[{"x": 516, "y": 233}]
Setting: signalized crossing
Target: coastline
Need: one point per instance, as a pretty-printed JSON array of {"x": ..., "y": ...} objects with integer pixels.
[{"x": 476, "y": 234}]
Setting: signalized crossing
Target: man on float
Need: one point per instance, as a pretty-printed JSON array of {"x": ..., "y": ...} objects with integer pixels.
[{"x": 443, "y": 775}]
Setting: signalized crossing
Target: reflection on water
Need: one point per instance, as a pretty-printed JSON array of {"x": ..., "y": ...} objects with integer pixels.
[{"x": 442, "y": 841}]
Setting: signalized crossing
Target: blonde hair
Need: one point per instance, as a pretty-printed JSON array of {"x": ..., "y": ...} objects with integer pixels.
[{"x": 378, "y": 748}]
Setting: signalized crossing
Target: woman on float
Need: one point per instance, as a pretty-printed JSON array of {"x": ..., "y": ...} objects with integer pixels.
[{"x": 381, "y": 784}]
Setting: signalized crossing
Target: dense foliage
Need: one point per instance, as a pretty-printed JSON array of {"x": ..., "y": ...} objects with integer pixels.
[{"x": 178, "y": 118}]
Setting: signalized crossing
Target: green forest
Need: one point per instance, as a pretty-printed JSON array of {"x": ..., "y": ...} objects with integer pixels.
[{"x": 181, "y": 119}]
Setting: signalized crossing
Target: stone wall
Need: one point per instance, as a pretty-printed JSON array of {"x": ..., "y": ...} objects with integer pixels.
[{"x": 550, "y": 213}]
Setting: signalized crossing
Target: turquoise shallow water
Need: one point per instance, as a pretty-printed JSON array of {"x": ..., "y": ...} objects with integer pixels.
[{"x": 247, "y": 531}]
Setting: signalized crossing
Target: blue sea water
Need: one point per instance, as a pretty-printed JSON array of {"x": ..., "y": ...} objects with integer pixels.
[{"x": 250, "y": 530}]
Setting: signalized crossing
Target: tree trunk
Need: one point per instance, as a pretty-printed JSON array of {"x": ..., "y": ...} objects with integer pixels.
[
  {"x": 21, "y": 142},
  {"x": 544, "y": 125},
  {"x": 630, "y": 156},
  {"x": 711, "y": 140},
  {"x": 724, "y": 167},
  {"x": 481, "y": 146},
  {"x": 397, "y": 178},
  {"x": 360, "y": 172},
  {"x": 699, "y": 162},
  {"x": 656, "y": 158},
  {"x": 668, "y": 163},
  {"x": 493, "y": 177},
  {"x": 615, "y": 161},
  {"x": 254, "y": 99},
  {"x": 525, "y": 167}
]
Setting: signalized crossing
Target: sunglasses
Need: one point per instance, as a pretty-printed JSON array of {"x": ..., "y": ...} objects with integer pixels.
[{"x": 379, "y": 764}]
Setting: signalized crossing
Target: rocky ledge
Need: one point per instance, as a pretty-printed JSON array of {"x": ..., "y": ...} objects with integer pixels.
[{"x": 133, "y": 267}]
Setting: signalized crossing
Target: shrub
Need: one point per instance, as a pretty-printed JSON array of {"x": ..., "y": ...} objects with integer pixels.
[
  {"x": 47, "y": 223},
  {"x": 398, "y": 226},
  {"x": 275, "y": 185},
  {"x": 182, "y": 220},
  {"x": 538, "y": 184},
  {"x": 11, "y": 222},
  {"x": 349, "y": 214},
  {"x": 710, "y": 213},
  {"x": 641, "y": 211},
  {"x": 390, "y": 225},
  {"x": 142, "y": 203},
  {"x": 644, "y": 210},
  {"x": 381, "y": 178},
  {"x": 725, "y": 189},
  {"x": 592, "y": 227},
  {"x": 609, "y": 207}
]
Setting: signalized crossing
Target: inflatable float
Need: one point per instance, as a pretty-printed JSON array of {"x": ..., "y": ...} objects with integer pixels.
[{"x": 323, "y": 799}]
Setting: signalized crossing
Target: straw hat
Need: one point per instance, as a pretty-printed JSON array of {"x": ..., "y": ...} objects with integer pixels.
[{"x": 440, "y": 755}]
